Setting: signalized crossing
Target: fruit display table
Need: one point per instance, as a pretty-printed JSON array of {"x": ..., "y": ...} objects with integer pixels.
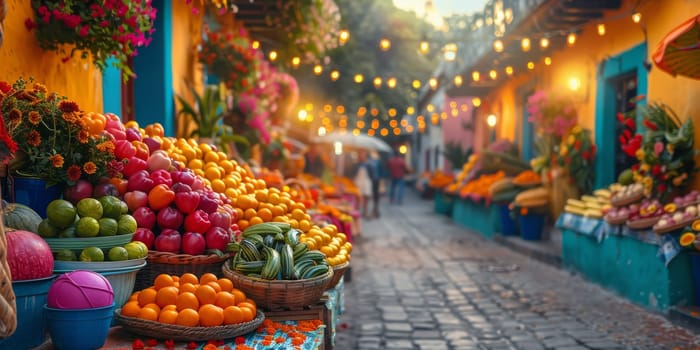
[
  {"x": 443, "y": 203},
  {"x": 640, "y": 265},
  {"x": 478, "y": 216}
]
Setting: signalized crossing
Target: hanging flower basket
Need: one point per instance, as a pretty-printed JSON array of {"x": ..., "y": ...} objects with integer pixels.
[{"x": 101, "y": 29}]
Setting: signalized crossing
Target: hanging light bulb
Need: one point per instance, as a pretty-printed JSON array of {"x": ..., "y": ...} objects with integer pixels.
[
  {"x": 476, "y": 76},
  {"x": 370, "y": 132},
  {"x": 547, "y": 61},
  {"x": 397, "y": 131},
  {"x": 458, "y": 80},
  {"x": 335, "y": 75},
  {"x": 525, "y": 44},
  {"x": 450, "y": 52},
  {"x": 359, "y": 78},
  {"x": 340, "y": 109},
  {"x": 377, "y": 82},
  {"x": 410, "y": 110},
  {"x": 636, "y": 17},
  {"x": 493, "y": 74},
  {"x": 393, "y": 123},
  {"x": 498, "y": 45},
  {"x": 571, "y": 39},
  {"x": 360, "y": 124},
  {"x": 272, "y": 56},
  {"x": 302, "y": 115},
  {"x": 424, "y": 47},
  {"x": 531, "y": 65},
  {"x": 433, "y": 82},
  {"x": 327, "y": 108},
  {"x": 384, "y": 44},
  {"x": 255, "y": 44},
  {"x": 509, "y": 70},
  {"x": 476, "y": 102},
  {"x": 544, "y": 43},
  {"x": 374, "y": 112},
  {"x": 392, "y": 112},
  {"x": 601, "y": 29},
  {"x": 416, "y": 84},
  {"x": 430, "y": 108},
  {"x": 318, "y": 69},
  {"x": 343, "y": 36},
  {"x": 296, "y": 61},
  {"x": 384, "y": 132},
  {"x": 391, "y": 82}
]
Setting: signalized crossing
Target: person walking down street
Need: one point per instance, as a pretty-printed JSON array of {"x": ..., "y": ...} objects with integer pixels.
[
  {"x": 375, "y": 167},
  {"x": 397, "y": 171},
  {"x": 363, "y": 181},
  {"x": 313, "y": 163}
]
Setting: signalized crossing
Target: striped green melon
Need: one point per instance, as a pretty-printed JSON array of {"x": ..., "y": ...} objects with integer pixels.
[{"x": 20, "y": 217}]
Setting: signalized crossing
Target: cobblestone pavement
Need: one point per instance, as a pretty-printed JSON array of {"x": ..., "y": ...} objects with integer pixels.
[{"x": 420, "y": 282}]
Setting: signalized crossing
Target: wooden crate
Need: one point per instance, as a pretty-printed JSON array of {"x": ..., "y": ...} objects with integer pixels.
[{"x": 318, "y": 311}]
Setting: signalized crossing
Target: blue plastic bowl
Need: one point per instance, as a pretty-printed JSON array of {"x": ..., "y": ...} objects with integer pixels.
[
  {"x": 81, "y": 329},
  {"x": 31, "y": 321}
]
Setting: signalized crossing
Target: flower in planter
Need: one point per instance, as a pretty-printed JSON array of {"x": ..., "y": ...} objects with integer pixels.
[
  {"x": 102, "y": 29},
  {"x": 576, "y": 155},
  {"x": 55, "y": 140}
]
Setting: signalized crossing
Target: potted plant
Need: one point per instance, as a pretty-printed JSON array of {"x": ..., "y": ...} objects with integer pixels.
[
  {"x": 206, "y": 112},
  {"x": 101, "y": 29},
  {"x": 55, "y": 144}
]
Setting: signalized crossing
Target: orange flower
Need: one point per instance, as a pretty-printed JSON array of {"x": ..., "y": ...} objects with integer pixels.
[
  {"x": 34, "y": 117},
  {"x": 73, "y": 173},
  {"x": 89, "y": 168},
  {"x": 107, "y": 146},
  {"x": 40, "y": 88},
  {"x": 34, "y": 138},
  {"x": 68, "y": 106},
  {"x": 83, "y": 136},
  {"x": 56, "y": 160},
  {"x": 14, "y": 117}
]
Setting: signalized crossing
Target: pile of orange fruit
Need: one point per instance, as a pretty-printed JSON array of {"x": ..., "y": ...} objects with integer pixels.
[
  {"x": 439, "y": 180},
  {"x": 191, "y": 301},
  {"x": 480, "y": 186}
]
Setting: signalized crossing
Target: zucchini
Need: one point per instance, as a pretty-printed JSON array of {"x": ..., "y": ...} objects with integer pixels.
[
  {"x": 287, "y": 262},
  {"x": 272, "y": 264},
  {"x": 249, "y": 251}
]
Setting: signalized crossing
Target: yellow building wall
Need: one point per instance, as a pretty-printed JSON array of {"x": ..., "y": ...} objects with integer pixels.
[
  {"x": 21, "y": 56},
  {"x": 582, "y": 59}
]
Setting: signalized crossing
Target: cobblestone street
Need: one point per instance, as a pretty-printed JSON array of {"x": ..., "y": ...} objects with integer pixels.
[{"x": 420, "y": 282}]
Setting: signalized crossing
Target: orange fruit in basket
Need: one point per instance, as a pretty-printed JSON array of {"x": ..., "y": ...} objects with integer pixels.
[
  {"x": 206, "y": 294},
  {"x": 189, "y": 278},
  {"x": 233, "y": 315},
  {"x": 255, "y": 220},
  {"x": 239, "y": 295},
  {"x": 225, "y": 299},
  {"x": 265, "y": 214},
  {"x": 163, "y": 280},
  {"x": 167, "y": 296},
  {"x": 187, "y": 301},
  {"x": 208, "y": 277},
  {"x": 147, "y": 296},
  {"x": 243, "y": 224},
  {"x": 211, "y": 315},
  {"x": 168, "y": 316},
  {"x": 153, "y": 306},
  {"x": 215, "y": 285},
  {"x": 168, "y": 307},
  {"x": 188, "y": 318},
  {"x": 134, "y": 296},
  {"x": 248, "y": 314},
  {"x": 249, "y": 305},
  {"x": 131, "y": 309},
  {"x": 187, "y": 287},
  {"x": 225, "y": 284},
  {"x": 148, "y": 314}
]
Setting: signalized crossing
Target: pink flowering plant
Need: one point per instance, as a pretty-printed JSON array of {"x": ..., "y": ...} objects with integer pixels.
[
  {"x": 102, "y": 29},
  {"x": 230, "y": 56}
]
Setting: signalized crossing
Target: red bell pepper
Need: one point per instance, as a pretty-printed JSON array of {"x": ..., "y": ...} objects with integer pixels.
[
  {"x": 170, "y": 217},
  {"x": 161, "y": 176},
  {"x": 134, "y": 164},
  {"x": 187, "y": 202},
  {"x": 198, "y": 221},
  {"x": 168, "y": 241},
  {"x": 123, "y": 149},
  {"x": 140, "y": 181}
]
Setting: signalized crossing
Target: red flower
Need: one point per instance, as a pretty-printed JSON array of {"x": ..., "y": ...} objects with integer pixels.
[
  {"x": 137, "y": 345},
  {"x": 84, "y": 31},
  {"x": 192, "y": 345},
  {"x": 71, "y": 21},
  {"x": 151, "y": 342},
  {"x": 650, "y": 125},
  {"x": 5, "y": 87},
  {"x": 73, "y": 173},
  {"x": 170, "y": 344},
  {"x": 656, "y": 170},
  {"x": 586, "y": 155},
  {"x": 630, "y": 124},
  {"x": 239, "y": 340},
  {"x": 29, "y": 24},
  {"x": 661, "y": 187}
]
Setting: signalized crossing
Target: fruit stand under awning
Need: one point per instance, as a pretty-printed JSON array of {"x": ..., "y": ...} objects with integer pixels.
[{"x": 678, "y": 53}]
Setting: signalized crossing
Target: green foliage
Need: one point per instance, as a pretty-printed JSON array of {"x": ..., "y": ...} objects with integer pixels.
[
  {"x": 206, "y": 112},
  {"x": 455, "y": 155}
]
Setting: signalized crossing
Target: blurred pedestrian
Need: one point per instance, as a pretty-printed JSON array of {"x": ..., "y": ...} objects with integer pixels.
[
  {"x": 313, "y": 163},
  {"x": 375, "y": 167},
  {"x": 363, "y": 181},
  {"x": 397, "y": 171}
]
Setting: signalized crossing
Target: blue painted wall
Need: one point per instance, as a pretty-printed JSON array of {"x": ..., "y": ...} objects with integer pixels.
[
  {"x": 153, "y": 86},
  {"x": 629, "y": 61},
  {"x": 112, "y": 90}
]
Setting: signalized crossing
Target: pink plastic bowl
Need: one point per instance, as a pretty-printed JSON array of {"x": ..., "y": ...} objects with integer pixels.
[{"x": 80, "y": 290}]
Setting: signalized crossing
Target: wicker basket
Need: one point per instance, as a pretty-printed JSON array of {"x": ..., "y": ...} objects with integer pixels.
[
  {"x": 338, "y": 272},
  {"x": 278, "y": 294},
  {"x": 643, "y": 224},
  {"x": 8, "y": 307},
  {"x": 159, "y": 330},
  {"x": 177, "y": 264}
]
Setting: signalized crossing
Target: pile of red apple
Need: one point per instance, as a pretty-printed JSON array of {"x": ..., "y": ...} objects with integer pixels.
[{"x": 175, "y": 211}]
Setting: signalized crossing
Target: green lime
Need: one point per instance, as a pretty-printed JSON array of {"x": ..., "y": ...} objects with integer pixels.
[
  {"x": 111, "y": 207},
  {"x": 127, "y": 225},
  {"x": 68, "y": 232},
  {"x": 90, "y": 207},
  {"x": 66, "y": 255},
  {"x": 61, "y": 213},
  {"x": 118, "y": 254},
  {"x": 92, "y": 254},
  {"x": 136, "y": 250},
  {"x": 108, "y": 227},
  {"x": 87, "y": 227},
  {"x": 45, "y": 229}
]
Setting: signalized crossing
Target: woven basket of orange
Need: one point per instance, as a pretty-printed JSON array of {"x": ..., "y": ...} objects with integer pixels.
[{"x": 190, "y": 308}]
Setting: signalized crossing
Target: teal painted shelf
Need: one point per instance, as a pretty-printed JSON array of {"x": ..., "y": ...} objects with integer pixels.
[
  {"x": 443, "y": 203},
  {"x": 476, "y": 216},
  {"x": 631, "y": 268}
]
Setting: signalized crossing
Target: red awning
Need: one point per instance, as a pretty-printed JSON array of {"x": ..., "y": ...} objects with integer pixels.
[{"x": 679, "y": 51}]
